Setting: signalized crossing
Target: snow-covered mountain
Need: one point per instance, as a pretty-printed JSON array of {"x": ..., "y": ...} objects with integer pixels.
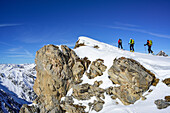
[
  {"x": 16, "y": 86},
  {"x": 19, "y": 79}
]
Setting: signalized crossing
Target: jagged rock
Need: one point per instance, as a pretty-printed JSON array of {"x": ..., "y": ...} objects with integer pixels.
[
  {"x": 79, "y": 44},
  {"x": 57, "y": 71},
  {"x": 96, "y": 69},
  {"x": 166, "y": 81},
  {"x": 161, "y": 104},
  {"x": 162, "y": 53},
  {"x": 132, "y": 77}
]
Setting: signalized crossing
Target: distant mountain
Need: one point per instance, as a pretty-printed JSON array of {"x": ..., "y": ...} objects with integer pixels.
[
  {"x": 16, "y": 86},
  {"x": 162, "y": 53}
]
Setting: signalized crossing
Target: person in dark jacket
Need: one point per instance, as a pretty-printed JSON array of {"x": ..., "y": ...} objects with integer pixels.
[
  {"x": 120, "y": 43},
  {"x": 149, "y": 43}
]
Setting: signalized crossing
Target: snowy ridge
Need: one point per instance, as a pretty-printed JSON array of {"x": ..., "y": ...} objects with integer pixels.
[{"x": 160, "y": 66}]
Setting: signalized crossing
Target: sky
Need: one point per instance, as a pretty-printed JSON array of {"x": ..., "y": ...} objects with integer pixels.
[{"x": 28, "y": 25}]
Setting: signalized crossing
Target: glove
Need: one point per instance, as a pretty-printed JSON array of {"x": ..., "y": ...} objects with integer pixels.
[{"x": 144, "y": 44}]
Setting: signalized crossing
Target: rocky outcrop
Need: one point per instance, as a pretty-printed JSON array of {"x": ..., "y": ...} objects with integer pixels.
[
  {"x": 132, "y": 77},
  {"x": 57, "y": 71},
  {"x": 96, "y": 69},
  {"x": 162, "y": 53}
]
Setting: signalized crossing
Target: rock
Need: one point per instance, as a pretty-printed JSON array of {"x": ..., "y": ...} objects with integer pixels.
[
  {"x": 29, "y": 109},
  {"x": 98, "y": 106},
  {"x": 132, "y": 77},
  {"x": 150, "y": 90},
  {"x": 167, "y": 98},
  {"x": 155, "y": 82},
  {"x": 71, "y": 108},
  {"x": 97, "y": 83},
  {"x": 68, "y": 106},
  {"x": 96, "y": 46},
  {"x": 162, "y": 53},
  {"x": 86, "y": 91},
  {"x": 113, "y": 97},
  {"x": 166, "y": 81},
  {"x": 79, "y": 44},
  {"x": 57, "y": 71},
  {"x": 143, "y": 98},
  {"x": 161, "y": 104},
  {"x": 96, "y": 69},
  {"x": 79, "y": 68}
]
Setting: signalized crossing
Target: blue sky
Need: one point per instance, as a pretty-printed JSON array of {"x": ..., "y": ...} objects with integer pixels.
[{"x": 28, "y": 25}]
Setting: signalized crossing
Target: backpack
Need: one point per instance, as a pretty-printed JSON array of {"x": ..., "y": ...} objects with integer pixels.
[
  {"x": 150, "y": 42},
  {"x": 132, "y": 42}
]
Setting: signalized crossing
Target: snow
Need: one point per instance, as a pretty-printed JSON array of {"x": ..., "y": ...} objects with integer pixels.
[{"x": 160, "y": 66}]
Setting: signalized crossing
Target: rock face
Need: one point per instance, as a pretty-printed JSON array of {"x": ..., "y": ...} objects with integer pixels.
[
  {"x": 132, "y": 77},
  {"x": 57, "y": 71},
  {"x": 96, "y": 69},
  {"x": 162, "y": 53}
]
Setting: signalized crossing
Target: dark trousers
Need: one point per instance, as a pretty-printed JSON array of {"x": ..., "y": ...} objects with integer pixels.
[
  {"x": 149, "y": 49},
  {"x": 131, "y": 47},
  {"x": 120, "y": 46}
]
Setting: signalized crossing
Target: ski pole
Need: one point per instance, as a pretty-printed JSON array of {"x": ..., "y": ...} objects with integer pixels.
[{"x": 145, "y": 49}]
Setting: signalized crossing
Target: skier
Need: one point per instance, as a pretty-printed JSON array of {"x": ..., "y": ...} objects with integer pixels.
[
  {"x": 120, "y": 43},
  {"x": 131, "y": 42},
  {"x": 149, "y": 43}
]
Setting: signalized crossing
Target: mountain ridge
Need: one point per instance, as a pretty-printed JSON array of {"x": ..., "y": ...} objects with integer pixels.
[{"x": 107, "y": 53}]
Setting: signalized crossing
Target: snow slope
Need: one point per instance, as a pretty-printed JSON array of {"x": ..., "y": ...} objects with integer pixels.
[{"x": 160, "y": 66}]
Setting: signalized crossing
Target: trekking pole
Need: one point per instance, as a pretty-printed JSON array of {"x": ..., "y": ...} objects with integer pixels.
[{"x": 145, "y": 49}]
